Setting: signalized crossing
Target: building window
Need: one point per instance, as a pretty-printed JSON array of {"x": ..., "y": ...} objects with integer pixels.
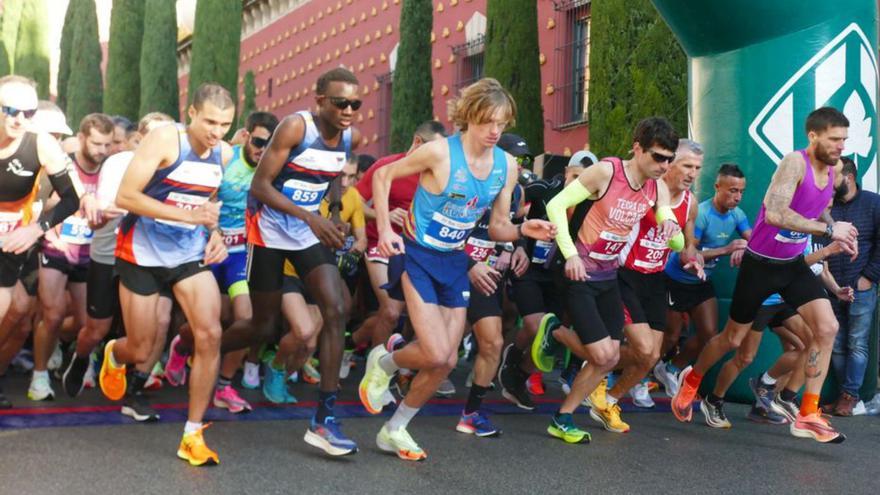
[
  {"x": 385, "y": 87},
  {"x": 573, "y": 62},
  {"x": 470, "y": 61}
]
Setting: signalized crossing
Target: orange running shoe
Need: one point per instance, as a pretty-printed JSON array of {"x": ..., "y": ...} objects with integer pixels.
[
  {"x": 818, "y": 428},
  {"x": 535, "y": 383},
  {"x": 112, "y": 378},
  {"x": 193, "y": 449},
  {"x": 682, "y": 403}
]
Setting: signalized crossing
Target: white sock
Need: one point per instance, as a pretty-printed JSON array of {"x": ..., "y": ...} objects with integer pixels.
[
  {"x": 610, "y": 399},
  {"x": 191, "y": 427},
  {"x": 402, "y": 416},
  {"x": 41, "y": 374},
  {"x": 387, "y": 364},
  {"x": 767, "y": 379},
  {"x": 250, "y": 367}
]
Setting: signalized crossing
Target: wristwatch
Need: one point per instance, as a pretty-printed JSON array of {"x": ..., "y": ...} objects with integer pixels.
[
  {"x": 829, "y": 231},
  {"x": 45, "y": 226}
]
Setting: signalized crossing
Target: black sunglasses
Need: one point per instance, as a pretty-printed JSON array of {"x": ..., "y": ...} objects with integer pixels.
[
  {"x": 343, "y": 103},
  {"x": 660, "y": 157},
  {"x": 13, "y": 112},
  {"x": 257, "y": 142}
]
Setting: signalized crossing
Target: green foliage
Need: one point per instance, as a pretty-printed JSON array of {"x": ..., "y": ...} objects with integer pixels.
[
  {"x": 122, "y": 95},
  {"x": 12, "y": 10},
  {"x": 411, "y": 89},
  {"x": 85, "y": 86},
  {"x": 637, "y": 70},
  {"x": 215, "y": 46},
  {"x": 250, "y": 98},
  {"x": 31, "y": 57},
  {"x": 158, "y": 61},
  {"x": 512, "y": 59},
  {"x": 67, "y": 32}
]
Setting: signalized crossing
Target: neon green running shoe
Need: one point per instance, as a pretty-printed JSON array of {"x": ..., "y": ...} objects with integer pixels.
[
  {"x": 544, "y": 346},
  {"x": 562, "y": 427}
]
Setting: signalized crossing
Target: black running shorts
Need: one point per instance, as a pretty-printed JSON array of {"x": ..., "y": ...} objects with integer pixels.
[
  {"x": 595, "y": 309},
  {"x": 148, "y": 280},
  {"x": 772, "y": 316},
  {"x": 266, "y": 265},
  {"x": 644, "y": 297},
  {"x": 102, "y": 291},
  {"x": 76, "y": 274},
  {"x": 683, "y": 297},
  {"x": 482, "y": 306},
  {"x": 537, "y": 291}
]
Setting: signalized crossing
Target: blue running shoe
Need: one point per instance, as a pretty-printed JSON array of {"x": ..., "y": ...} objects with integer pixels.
[
  {"x": 763, "y": 395},
  {"x": 328, "y": 437},
  {"x": 476, "y": 423},
  {"x": 275, "y": 387}
]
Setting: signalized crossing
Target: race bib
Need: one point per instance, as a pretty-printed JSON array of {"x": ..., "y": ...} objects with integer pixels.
[
  {"x": 652, "y": 254},
  {"x": 446, "y": 233},
  {"x": 234, "y": 239},
  {"x": 791, "y": 237},
  {"x": 607, "y": 247},
  {"x": 306, "y": 195},
  {"x": 479, "y": 250},
  {"x": 75, "y": 230},
  {"x": 541, "y": 252},
  {"x": 185, "y": 202}
]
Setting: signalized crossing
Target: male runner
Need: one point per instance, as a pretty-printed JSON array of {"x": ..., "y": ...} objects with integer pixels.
[
  {"x": 621, "y": 193},
  {"x": 718, "y": 219},
  {"x": 164, "y": 240},
  {"x": 799, "y": 193},
  {"x": 306, "y": 152},
  {"x": 123, "y": 131},
  {"x": 64, "y": 260},
  {"x": 460, "y": 177},
  {"x": 24, "y": 156}
]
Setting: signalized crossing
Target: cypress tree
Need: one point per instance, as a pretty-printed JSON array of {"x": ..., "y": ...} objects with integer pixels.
[
  {"x": 512, "y": 58},
  {"x": 85, "y": 86},
  {"x": 250, "y": 98},
  {"x": 158, "y": 61},
  {"x": 637, "y": 68},
  {"x": 12, "y": 10},
  {"x": 32, "y": 47},
  {"x": 411, "y": 91},
  {"x": 67, "y": 32},
  {"x": 215, "y": 47},
  {"x": 122, "y": 96}
]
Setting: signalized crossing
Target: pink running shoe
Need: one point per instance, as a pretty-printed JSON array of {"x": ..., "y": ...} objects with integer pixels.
[
  {"x": 228, "y": 398},
  {"x": 175, "y": 368}
]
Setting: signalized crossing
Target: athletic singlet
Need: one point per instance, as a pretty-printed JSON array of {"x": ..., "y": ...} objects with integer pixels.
[
  {"x": 712, "y": 230},
  {"x": 609, "y": 221},
  {"x": 103, "y": 248},
  {"x": 817, "y": 268},
  {"x": 72, "y": 238},
  {"x": 19, "y": 184},
  {"x": 443, "y": 221},
  {"x": 304, "y": 179},
  {"x": 478, "y": 245},
  {"x": 187, "y": 183},
  {"x": 808, "y": 201},
  {"x": 234, "y": 193},
  {"x": 645, "y": 250}
]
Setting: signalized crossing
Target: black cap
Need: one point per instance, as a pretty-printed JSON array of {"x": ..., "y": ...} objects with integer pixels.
[{"x": 515, "y": 145}]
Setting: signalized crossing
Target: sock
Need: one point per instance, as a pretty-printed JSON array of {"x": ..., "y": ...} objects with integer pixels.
[
  {"x": 610, "y": 399},
  {"x": 387, "y": 364},
  {"x": 41, "y": 374},
  {"x": 475, "y": 399},
  {"x": 248, "y": 366},
  {"x": 810, "y": 404},
  {"x": 223, "y": 382},
  {"x": 563, "y": 418},
  {"x": 768, "y": 380},
  {"x": 326, "y": 403},
  {"x": 402, "y": 416},
  {"x": 714, "y": 399},
  {"x": 694, "y": 379},
  {"x": 191, "y": 427},
  {"x": 787, "y": 395},
  {"x": 137, "y": 381}
]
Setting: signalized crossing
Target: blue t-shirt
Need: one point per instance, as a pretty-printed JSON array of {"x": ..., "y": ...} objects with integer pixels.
[{"x": 712, "y": 230}]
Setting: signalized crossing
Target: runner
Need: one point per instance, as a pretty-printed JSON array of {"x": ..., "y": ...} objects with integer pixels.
[
  {"x": 799, "y": 193},
  {"x": 718, "y": 219},
  {"x": 460, "y": 177},
  {"x": 124, "y": 132},
  {"x": 306, "y": 152},
  {"x": 164, "y": 240},
  {"x": 620, "y": 194}
]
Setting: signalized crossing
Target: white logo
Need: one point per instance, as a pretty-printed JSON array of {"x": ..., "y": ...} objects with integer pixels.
[
  {"x": 842, "y": 74},
  {"x": 17, "y": 168}
]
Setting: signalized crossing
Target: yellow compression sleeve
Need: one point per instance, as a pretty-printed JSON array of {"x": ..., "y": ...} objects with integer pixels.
[
  {"x": 676, "y": 242},
  {"x": 573, "y": 194}
]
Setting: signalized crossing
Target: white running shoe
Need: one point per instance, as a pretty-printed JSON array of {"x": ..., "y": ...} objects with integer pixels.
[
  {"x": 40, "y": 388},
  {"x": 56, "y": 359},
  {"x": 250, "y": 379},
  {"x": 90, "y": 380},
  {"x": 667, "y": 378},
  {"x": 346, "y": 364},
  {"x": 641, "y": 396},
  {"x": 446, "y": 388}
]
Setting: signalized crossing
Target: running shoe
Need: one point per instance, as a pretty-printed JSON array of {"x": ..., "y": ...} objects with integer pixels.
[
  {"x": 228, "y": 398},
  {"x": 544, "y": 346},
  {"x": 763, "y": 395},
  {"x": 375, "y": 382},
  {"x": 73, "y": 379},
  {"x": 816, "y": 427},
  {"x": 535, "y": 384},
  {"x": 275, "y": 388},
  {"x": 347, "y": 363},
  {"x": 250, "y": 378},
  {"x": 446, "y": 388},
  {"x": 683, "y": 400},
  {"x": 310, "y": 373},
  {"x": 765, "y": 416},
  {"x": 714, "y": 414},
  {"x": 845, "y": 404},
  {"x": 193, "y": 449},
  {"x": 562, "y": 427},
  {"x": 596, "y": 399},
  {"x": 23, "y": 361},
  {"x": 138, "y": 408},
  {"x": 91, "y": 379},
  {"x": 112, "y": 378},
  {"x": 641, "y": 396},
  {"x": 404, "y": 380},
  {"x": 175, "y": 368},
  {"x": 328, "y": 437},
  {"x": 609, "y": 418},
  {"x": 400, "y": 443},
  {"x": 566, "y": 378},
  {"x": 476, "y": 423},
  {"x": 40, "y": 388},
  {"x": 667, "y": 377},
  {"x": 154, "y": 383},
  {"x": 395, "y": 341},
  {"x": 513, "y": 382},
  {"x": 56, "y": 359},
  {"x": 785, "y": 408}
]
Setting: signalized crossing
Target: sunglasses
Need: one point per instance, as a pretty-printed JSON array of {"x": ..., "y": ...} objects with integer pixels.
[
  {"x": 257, "y": 142},
  {"x": 343, "y": 103},
  {"x": 13, "y": 112},
  {"x": 660, "y": 157}
]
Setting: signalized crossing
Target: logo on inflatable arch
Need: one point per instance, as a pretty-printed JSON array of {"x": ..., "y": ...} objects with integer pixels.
[{"x": 842, "y": 74}]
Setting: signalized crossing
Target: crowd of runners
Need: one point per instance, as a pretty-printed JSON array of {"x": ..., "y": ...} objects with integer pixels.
[{"x": 156, "y": 253}]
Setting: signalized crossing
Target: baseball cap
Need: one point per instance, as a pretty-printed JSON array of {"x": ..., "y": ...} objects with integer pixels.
[
  {"x": 514, "y": 144},
  {"x": 50, "y": 120},
  {"x": 582, "y": 158}
]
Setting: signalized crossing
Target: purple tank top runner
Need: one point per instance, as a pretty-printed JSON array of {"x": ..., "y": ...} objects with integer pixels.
[{"x": 809, "y": 201}]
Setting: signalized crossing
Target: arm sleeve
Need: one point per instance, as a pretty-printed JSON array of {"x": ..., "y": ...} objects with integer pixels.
[
  {"x": 676, "y": 242},
  {"x": 573, "y": 194},
  {"x": 69, "y": 203}
]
